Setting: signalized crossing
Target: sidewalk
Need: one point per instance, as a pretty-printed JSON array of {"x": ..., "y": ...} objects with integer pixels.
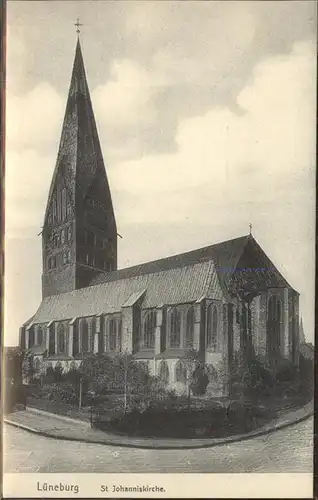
[{"x": 64, "y": 428}]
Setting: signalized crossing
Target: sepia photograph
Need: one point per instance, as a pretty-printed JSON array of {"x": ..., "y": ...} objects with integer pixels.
[{"x": 159, "y": 308}]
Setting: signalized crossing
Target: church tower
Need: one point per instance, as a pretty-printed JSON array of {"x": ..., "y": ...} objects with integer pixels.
[{"x": 79, "y": 237}]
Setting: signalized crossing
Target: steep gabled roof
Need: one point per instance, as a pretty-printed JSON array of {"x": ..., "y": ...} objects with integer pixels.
[
  {"x": 79, "y": 162},
  {"x": 224, "y": 255},
  {"x": 176, "y": 285},
  {"x": 210, "y": 272}
]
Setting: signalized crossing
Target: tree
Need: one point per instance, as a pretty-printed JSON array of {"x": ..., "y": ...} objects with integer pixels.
[{"x": 28, "y": 370}]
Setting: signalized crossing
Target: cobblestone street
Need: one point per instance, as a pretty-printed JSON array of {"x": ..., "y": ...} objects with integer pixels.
[{"x": 286, "y": 450}]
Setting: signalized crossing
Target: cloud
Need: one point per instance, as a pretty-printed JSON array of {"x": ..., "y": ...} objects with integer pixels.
[
  {"x": 265, "y": 148},
  {"x": 125, "y": 99},
  {"x": 27, "y": 179},
  {"x": 234, "y": 168},
  {"x": 34, "y": 119}
]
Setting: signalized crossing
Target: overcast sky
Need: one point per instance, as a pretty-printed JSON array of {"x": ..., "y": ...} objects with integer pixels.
[{"x": 206, "y": 114}]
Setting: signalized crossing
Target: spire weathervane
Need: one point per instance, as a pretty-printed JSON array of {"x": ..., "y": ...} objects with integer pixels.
[
  {"x": 78, "y": 24},
  {"x": 250, "y": 225}
]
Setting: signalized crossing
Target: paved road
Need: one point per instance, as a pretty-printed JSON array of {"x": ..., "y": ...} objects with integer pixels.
[{"x": 286, "y": 450}]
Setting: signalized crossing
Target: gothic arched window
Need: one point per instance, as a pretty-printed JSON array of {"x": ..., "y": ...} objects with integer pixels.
[
  {"x": 76, "y": 344},
  {"x": 112, "y": 334},
  {"x": 149, "y": 329},
  {"x": 54, "y": 208},
  {"x": 84, "y": 335},
  {"x": 39, "y": 335},
  {"x": 212, "y": 327},
  {"x": 181, "y": 372},
  {"x": 174, "y": 327},
  {"x": 61, "y": 338},
  {"x": 31, "y": 337},
  {"x": 164, "y": 372},
  {"x": 93, "y": 331},
  {"x": 120, "y": 324},
  {"x": 63, "y": 203},
  {"x": 104, "y": 336},
  {"x": 274, "y": 321},
  {"x": 190, "y": 327}
]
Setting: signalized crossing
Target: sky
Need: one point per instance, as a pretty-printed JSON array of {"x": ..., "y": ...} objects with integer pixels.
[{"x": 206, "y": 113}]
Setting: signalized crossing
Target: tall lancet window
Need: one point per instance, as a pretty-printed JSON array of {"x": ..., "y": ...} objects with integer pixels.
[
  {"x": 61, "y": 338},
  {"x": 112, "y": 333},
  {"x": 212, "y": 327},
  {"x": 39, "y": 335},
  {"x": 93, "y": 331},
  {"x": 149, "y": 327},
  {"x": 190, "y": 327},
  {"x": 54, "y": 208},
  {"x": 64, "y": 202},
  {"x": 84, "y": 335},
  {"x": 174, "y": 327}
]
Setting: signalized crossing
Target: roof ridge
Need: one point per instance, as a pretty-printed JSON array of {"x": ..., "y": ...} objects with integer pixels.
[{"x": 171, "y": 258}]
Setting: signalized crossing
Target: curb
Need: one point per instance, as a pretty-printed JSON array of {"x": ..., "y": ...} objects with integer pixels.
[
  {"x": 60, "y": 417},
  {"x": 158, "y": 446}
]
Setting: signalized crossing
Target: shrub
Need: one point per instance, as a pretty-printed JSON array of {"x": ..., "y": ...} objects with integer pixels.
[{"x": 199, "y": 382}]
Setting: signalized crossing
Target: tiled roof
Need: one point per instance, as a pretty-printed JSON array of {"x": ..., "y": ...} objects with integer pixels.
[
  {"x": 225, "y": 256},
  {"x": 207, "y": 272},
  {"x": 171, "y": 286}
]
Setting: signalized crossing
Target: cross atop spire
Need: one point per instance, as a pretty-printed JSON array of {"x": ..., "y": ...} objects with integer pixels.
[
  {"x": 250, "y": 226},
  {"x": 78, "y": 24}
]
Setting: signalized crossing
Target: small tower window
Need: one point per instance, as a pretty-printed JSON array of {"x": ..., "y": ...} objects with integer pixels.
[
  {"x": 62, "y": 236},
  {"x": 69, "y": 233},
  {"x": 55, "y": 240}
]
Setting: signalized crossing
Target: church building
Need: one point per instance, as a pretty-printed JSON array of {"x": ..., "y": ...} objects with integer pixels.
[{"x": 216, "y": 300}]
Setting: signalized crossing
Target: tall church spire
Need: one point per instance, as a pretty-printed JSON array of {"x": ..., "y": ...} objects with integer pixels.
[{"x": 79, "y": 234}]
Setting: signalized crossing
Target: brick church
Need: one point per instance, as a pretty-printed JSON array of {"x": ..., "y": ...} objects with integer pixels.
[{"x": 217, "y": 300}]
